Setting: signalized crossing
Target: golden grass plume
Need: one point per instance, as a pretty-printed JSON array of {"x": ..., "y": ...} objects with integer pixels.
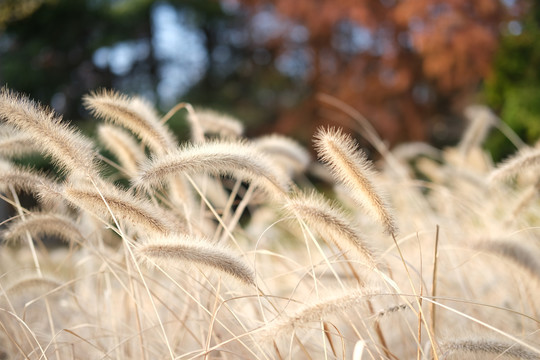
[
  {"x": 235, "y": 158},
  {"x": 350, "y": 167},
  {"x": 184, "y": 249},
  {"x": 134, "y": 114},
  {"x": 71, "y": 151}
]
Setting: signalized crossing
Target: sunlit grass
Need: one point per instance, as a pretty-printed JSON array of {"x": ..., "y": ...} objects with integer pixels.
[{"x": 222, "y": 248}]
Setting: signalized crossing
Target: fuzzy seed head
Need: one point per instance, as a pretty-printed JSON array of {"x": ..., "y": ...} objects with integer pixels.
[
  {"x": 285, "y": 151},
  {"x": 237, "y": 159},
  {"x": 123, "y": 146},
  {"x": 213, "y": 122},
  {"x": 332, "y": 224},
  {"x": 350, "y": 167},
  {"x": 134, "y": 114},
  {"x": 196, "y": 251},
  {"x": 139, "y": 214},
  {"x": 72, "y": 152},
  {"x": 527, "y": 159}
]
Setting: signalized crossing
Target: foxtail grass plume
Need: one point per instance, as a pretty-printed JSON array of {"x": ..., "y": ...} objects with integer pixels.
[
  {"x": 319, "y": 310},
  {"x": 72, "y": 152},
  {"x": 350, "y": 167},
  {"x": 527, "y": 159},
  {"x": 14, "y": 143},
  {"x": 40, "y": 224},
  {"x": 492, "y": 348},
  {"x": 32, "y": 284},
  {"x": 26, "y": 180},
  {"x": 134, "y": 114},
  {"x": 481, "y": 119},
  {"x": 137, "y": 213},
  {"x": 409, "y": 151},
  {"x": 123, "y": 146},
  {"x": 213, "y": 122},
  {"x": 238, "y": 159},
  {"x": 331, "y": 223},
  {"x": 189, "y": 250},
  {"x": 287, "y": 152},
  {"x": 516, "y": 252}
]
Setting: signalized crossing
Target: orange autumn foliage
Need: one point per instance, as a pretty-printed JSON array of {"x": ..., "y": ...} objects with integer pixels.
[{"x": 421, "y": 59}]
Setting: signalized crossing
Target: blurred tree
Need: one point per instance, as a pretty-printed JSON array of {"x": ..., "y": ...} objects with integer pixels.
[
  {"x": 400, "y": 63},
  {"x": 48, "y": 53},
  {"x": 408, "y": 66},
  {"x": 65, "y": 48},
  {"x": 11, "y": 10},
  {"x": 513, "y": 89}
]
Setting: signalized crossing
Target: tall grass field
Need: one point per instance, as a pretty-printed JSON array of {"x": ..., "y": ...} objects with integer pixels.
[{"x": 139, "y": 246}]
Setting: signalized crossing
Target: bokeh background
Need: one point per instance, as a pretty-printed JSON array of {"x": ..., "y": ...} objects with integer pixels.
[{"x": 409, "y": 66}]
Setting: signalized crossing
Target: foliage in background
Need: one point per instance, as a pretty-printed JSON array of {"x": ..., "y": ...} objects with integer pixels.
[
  {"x": 408, "y": 66},
  {"x": 399, "y": 63},
  {"x": 11, "y": 10},
  {"x": 66, "y": 48},
  {"x": 49, "y": 53},
  {"x": 513, "y": 89}
]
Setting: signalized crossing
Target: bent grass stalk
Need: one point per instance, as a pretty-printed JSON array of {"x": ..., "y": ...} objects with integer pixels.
[
  {"x": 201, "y": 306},
  {"x": 480, "y": 121}
]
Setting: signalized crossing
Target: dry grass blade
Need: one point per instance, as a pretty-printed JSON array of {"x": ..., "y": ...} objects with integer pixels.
[
  {"x": 134, "y": 114},
  {"x": 39, "y": 224},
  {"x": 457, "y": 348},
  {"x": 527, "y": 159},
  {"x": 350, "y": 167},
  {"x": 237, "y": 159},
  {"x": 123, "y": 146},
  {"x": 332, "y": 224},
  {"x": 190, "y": 250},
  {"x": 68, "y": 148},
  {"x": 137, "y": 213}
]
